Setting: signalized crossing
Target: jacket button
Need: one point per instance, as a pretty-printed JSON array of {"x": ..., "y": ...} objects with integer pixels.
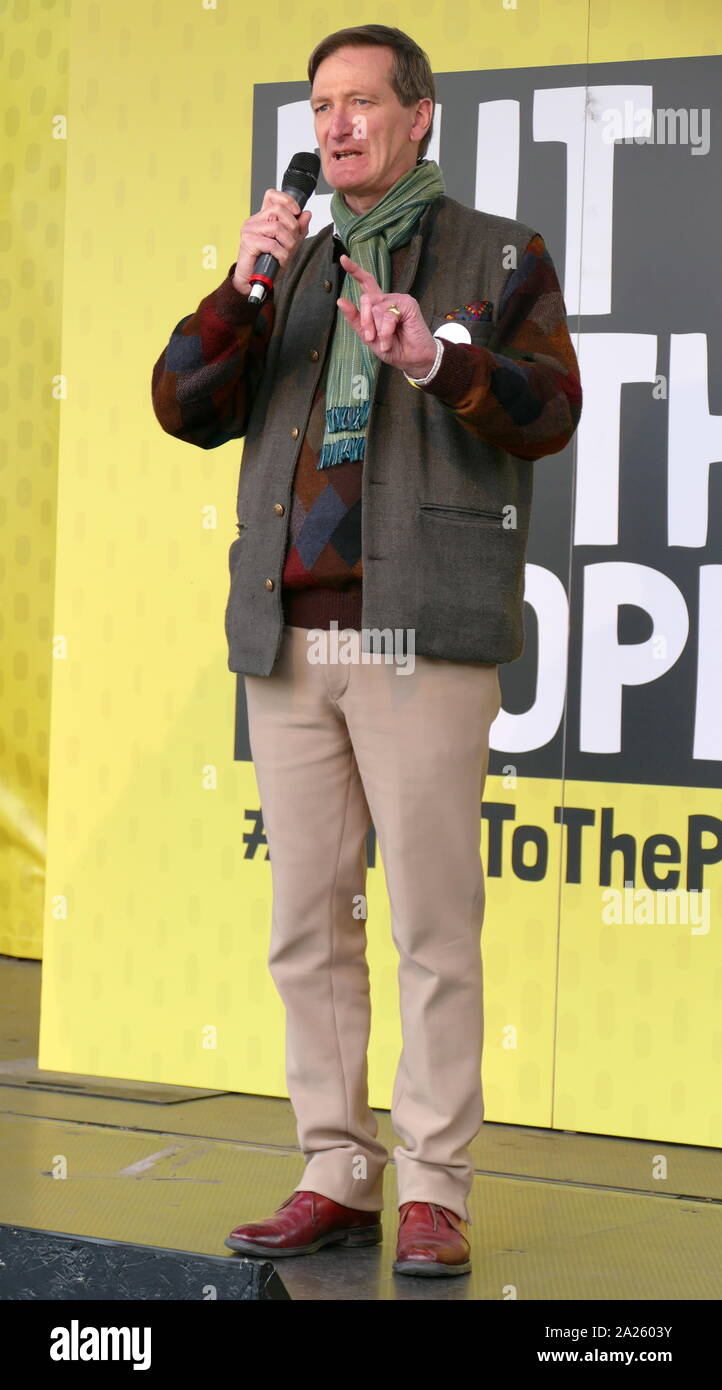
[
  {"x": 279, "y": 508},
  {"x": 294, "y": 432},
  {"x": 327, "y": 286},
  {"x": 269, "y": 584},
  {"x": 313, "y": 355}
]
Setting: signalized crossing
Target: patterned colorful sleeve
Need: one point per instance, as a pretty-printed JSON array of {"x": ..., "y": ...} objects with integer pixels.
[
  {"x": 526, "y": 396},
  {"x": 205, "y": 380}
]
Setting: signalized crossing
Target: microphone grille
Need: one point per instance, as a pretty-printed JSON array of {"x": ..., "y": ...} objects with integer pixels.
[{"x": 306, "y": 163}]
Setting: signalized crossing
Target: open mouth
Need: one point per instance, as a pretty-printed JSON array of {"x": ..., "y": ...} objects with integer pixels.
[{"x": 348, "y": 154}]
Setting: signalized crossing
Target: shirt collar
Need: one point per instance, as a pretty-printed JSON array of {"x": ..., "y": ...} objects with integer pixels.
[{"x": 338, "y": 246}]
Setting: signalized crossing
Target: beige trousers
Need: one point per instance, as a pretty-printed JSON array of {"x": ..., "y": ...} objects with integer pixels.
[{"x": 337, "y": 747}]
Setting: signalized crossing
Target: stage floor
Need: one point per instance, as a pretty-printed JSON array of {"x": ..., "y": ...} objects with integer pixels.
[{"x": 555, "y": 1215}]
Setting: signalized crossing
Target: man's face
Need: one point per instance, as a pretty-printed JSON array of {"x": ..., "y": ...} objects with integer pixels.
[{"x": 355, "y": 108}]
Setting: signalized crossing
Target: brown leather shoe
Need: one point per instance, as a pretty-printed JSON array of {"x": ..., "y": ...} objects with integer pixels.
[
  {"x": 432, "y": 1240},
  {"x": 308, "y": 1220}
]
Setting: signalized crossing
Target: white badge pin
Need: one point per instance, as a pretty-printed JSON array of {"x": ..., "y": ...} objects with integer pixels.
[{"x": 455, "y": 332}]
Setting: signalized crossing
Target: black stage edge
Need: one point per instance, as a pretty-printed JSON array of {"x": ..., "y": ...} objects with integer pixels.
[{"x": 45, "y": 1265}]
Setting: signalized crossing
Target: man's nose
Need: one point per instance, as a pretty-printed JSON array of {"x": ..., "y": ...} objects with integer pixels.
[{"x": 340, "y": 127}]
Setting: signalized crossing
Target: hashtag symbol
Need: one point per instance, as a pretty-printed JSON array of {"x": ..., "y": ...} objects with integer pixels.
[{"x": 257, "y": 836}]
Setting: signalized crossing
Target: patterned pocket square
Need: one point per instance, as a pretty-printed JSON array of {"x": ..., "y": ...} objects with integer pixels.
[{"x": 478, "y": 312}]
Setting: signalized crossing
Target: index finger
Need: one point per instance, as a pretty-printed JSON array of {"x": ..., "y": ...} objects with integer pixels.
[
  {"x": 276, "y": 195},
  {"x": 357, "y": 272}
]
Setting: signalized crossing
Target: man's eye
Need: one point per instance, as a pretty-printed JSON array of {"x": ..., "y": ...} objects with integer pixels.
[{"x": 320, "y": 108}]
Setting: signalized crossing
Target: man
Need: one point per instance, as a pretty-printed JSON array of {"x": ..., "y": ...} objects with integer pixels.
[{"x": 386, "y": 484}]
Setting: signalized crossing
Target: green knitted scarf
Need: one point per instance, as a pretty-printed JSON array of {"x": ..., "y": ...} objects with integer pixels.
[{"x": 369, "y": 239}]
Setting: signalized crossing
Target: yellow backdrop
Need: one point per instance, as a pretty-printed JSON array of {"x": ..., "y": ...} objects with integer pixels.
[{"x": 156, "y": 924}]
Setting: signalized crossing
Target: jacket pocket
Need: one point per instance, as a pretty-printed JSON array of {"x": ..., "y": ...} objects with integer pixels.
[
  {"x": 481, "y": 516},
  {"x": 234, "y": 556},
  {"x": 235, "y": 546},
  {"x": 470, "y": 583},
  {"x": 480, "y": 331}
]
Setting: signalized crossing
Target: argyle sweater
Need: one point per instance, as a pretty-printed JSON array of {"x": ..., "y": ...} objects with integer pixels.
[{"x": 526, "y": 398}]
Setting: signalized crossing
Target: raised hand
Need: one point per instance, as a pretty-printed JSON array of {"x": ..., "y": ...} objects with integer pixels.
[{"x": 402, "y": 340}]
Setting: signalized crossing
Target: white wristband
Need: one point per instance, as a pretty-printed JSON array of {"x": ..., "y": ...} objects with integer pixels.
[{"x": 423, "y": 380}]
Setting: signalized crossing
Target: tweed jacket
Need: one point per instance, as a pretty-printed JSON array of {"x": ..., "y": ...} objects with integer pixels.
[{"x": 448, "y": 470}]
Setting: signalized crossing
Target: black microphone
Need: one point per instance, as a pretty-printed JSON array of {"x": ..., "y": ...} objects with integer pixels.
[{"x": 300, "y": 181}]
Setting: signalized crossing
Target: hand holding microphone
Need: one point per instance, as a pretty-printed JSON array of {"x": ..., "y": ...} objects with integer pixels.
[{"x": 270, "y": 238}]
